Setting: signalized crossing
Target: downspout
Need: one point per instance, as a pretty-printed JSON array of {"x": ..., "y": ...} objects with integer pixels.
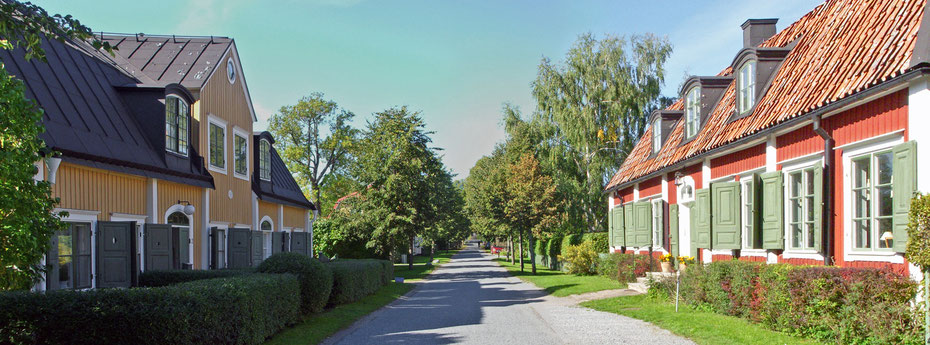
[{"x": 827, "y": 207}]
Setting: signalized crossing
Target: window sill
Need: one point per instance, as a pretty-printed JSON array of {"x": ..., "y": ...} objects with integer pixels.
[
  {"x": 241, "y": 176},
  {"x": 889, "y": 256},
  {"x": 802, "y": 254},
  {"x": 213, "y": 168},
  {"x": 753, "y": 252},
  {"x": 177, "y": 154}
]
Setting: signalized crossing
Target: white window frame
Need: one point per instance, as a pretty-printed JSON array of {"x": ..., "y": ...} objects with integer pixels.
[
  {"x": 745, "y": 93},
  {"x": 231, "y": 63},
  {"x": 187, "y": 134},
  {"x": 239, "y": 132},
  {"x": 797, "y": 165},
  {"x": 692, "y": 112},
  {"x": 656, "y": 135},
  {"x": 656, "y": 204},
  {"x": 260, "y": 161},
  {"x": 190, "y": 232},
  {"x": 81, "y": 216},
  {"x": 213, "y": 120},
  {"x": 225, "y": 227},
  {"x": 744, "y": 181},
  {"x": 851, "y": 151}
]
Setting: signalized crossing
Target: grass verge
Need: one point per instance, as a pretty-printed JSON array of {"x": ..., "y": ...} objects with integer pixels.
[
  {"x": 420, "y": 269},
  {"x": 558, "y": 283},
  {"x": 700, "y": 326},
  {"x": 315, "y": 328}
]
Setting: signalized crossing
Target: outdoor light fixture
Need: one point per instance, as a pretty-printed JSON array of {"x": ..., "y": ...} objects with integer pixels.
[
  {"x": 189, "y": 209},
  {"x": 52, "y": 164},
  {"x": 678, "y": 176}
]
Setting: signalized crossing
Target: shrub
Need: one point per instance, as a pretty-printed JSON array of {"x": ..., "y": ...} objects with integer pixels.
[
  {"x": 580, "y": 259},
  {"x": 599, "y": 240},
  {"x": 354, "y": 279},
  {"x": 165, "y": 278},
  {"x": 233, "y": 310},
  {"x": 570, "y": 240},
  {"x": 625, "y": 268},
  {"x": 316, "y": 279},
  {"x": 539, "y": 246},
  {"x": 554, "y": 246},
  {"x": 832, "y": 304},
  {"x": 918, "y": 232}
]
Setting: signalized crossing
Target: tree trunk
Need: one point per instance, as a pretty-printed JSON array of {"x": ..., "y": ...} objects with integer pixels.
[
  {"x": 432, "y": 249},
  {"x": 521, "y": 250},
  {"x": 510, "y": 252},
  {"x": 410, "y": 258},
  {"x": 532, "y": 253}
]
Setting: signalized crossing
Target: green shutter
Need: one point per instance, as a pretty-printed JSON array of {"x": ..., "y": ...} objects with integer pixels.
[
  {"x": 754, "y": 236},
  {"x": 725, "y": 215},
  {"x": 629, "y": 225},
  {"x": 643, "y": 223},
  {"x": 701, "y": 218},
  {"x": 773, "y": 210},
  {"x": 673, "y": 229},
  {"x": 904, "y": 177},
  {"x": 616, "y": 237},
  {"x": 610, "y": 225},
  {"x": 818, "y": 209}
]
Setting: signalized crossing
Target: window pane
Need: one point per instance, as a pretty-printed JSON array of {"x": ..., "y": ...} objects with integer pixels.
[
  {"x": 64, "y": 242},
  {"x": 884, "y": 231},
  {"x": 796, "y": 235},
  {"x": 82, "y": 239},
  {"x": 809, "y": 204},
  {"x": 795, "y": 185},
  {"x": 217, "y": 138},
  {"x": 241, "y": 151},
  {"x": 884, "y": 201},
  {"x": 884, "y": 167},
  {"x": 861, "y": 172},
  {"x": 810, "y": 235},
  {"x": 796, "y": 210},
  {"x": 183, "y": 128},
  {"x": 266, "y": 225},
  {"x": 64, "y": 272},
  {"x": 862, "y": 204},
  {"x": 862, "y": 234}
]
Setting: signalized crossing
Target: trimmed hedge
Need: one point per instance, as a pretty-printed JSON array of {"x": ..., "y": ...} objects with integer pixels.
[
  {"x": 165, "y": 278},
  {"x": 570, "y": 240},
  {"x": 831, "y": 304},
  {"x": 316, "y": 279},
  {"x": 539, "y": 246},
  {"x": 554, "y": 246},
  {"x": 233, "y": 310},
  {"x": 599, "y": 240},
  {"x": 354, "y": 279}
]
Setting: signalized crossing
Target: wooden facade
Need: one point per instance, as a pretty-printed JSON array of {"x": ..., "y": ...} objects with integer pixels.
[
  {"x": 295, "y": 217},
  {"x": 91, "y": 189}
]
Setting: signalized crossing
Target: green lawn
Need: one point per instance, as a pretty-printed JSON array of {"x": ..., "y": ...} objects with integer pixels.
[
  {"x": 700, "y": 326},
  {"x": 561, "y": 284},
  {"x": 420, "y": 269},
  {"x": 315, "y": 328}
]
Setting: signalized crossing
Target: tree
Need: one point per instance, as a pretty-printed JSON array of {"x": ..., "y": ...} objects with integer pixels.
[
  {"x": 592, "y": 109},
  {"x": 486, "y": 195},
  {"x": 314, "y": 138},
  {"x": 26, "y": 219},
  {"x": 532, "y": 207}
]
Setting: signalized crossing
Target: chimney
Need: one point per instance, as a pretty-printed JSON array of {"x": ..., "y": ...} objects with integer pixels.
[{"x": 756, "y": 31}]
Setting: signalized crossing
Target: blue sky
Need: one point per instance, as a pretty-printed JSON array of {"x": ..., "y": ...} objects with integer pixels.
[{"x": 456, "y": 61}]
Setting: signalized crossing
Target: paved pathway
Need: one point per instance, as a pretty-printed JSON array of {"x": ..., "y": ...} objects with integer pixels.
[{"x": 472, "y": 300}]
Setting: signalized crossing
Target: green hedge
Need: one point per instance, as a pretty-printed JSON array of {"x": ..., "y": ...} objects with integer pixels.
[
  {"x": 165, "y": 278},
  {"x": 234, "y": 310},
  {"x": 354, "y": 279},
  {"x": 554, "y": 246},
  {"x": 831, "y": 304},
  {"x": 316, "y": 279},
  {"x": 599, "y": 240},
  {"x": 539, "y": 246},
  {"x": 570, "y": 240}
]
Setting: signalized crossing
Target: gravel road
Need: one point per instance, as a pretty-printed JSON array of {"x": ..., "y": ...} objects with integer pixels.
[{"x": 472, "y": 300}]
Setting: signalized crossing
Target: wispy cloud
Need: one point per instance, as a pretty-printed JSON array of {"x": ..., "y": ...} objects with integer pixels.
[
  {"x": 263, "y": 113},
  {"x": 206, "y": 17}
]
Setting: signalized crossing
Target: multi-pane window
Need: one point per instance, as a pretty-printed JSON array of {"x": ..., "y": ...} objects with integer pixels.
[
  {"x": 692, "y": 112},
  {"x": 217, "y": 146},
  {"x": 656, "y": 135},
  {"x": 872, "y": 201},
  {"x": 747, "y": 211},
  {"x": 177, "y": 124},
  {"x": 264, "y": 160},
  {"x": 241, "y": 151},
  {"x": 801, "y": 209},
  {"x": 266, "y": 236},
  {"x": 182, "y": 225},
  {"x": 73, "y": 257},
  {"x": 658, "y": 224},
  {"x": 747, "y": 84}
]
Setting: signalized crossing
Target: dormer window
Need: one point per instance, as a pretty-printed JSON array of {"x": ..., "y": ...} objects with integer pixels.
[
  {"x": 656, "y": 134},
  {"x": 692, "y": 112},
  {"x": 177, "y": 125},
  {"x": 746, "y": 86},
  {"x": 264, "y": 160}
]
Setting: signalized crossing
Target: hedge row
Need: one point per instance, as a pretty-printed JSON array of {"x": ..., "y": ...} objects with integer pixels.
[
  {"x": 832, "y": 304},
  {"x": 165, "y": 278},
  {"x": 316, "y": 279},
  {"x": 599, "y": 240},
  {"x": 233, "y": 310},
  {"x": 354, "y": 279},
  {"x": 625, "y": 268}
]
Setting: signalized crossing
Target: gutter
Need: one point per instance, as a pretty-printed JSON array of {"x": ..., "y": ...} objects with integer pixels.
[
  {"x": 827, "y": 192},
  {"x": 918, "y": 70}
]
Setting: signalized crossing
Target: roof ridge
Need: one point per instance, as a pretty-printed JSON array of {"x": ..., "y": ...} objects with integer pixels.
[{"x": 145, "y": 35}]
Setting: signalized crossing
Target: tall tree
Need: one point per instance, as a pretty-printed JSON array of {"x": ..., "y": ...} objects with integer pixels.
[
  {"x": 593, "y": 107},
  {"x": 531, "y": 207},
  {"x": 314, "y": 138},
  {"x": 486, "y": 196},
  {"x": 26, "y": 219}
]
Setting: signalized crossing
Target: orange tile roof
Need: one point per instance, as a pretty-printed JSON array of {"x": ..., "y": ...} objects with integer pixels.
[{"x": 842, "y": 47}]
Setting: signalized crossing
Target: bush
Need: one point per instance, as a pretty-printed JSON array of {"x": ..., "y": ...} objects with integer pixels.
[
  {"x": 165, "y": 278},
  {"x": 354, "y": 279},
  {"x": 918, "y": 232},
  {"x": 599, "y": 240},
  {"x": 539, "y": 246},
  {"x": 554, "y": 246},
  {"x": 831, "y": 304},
  {"x": 625, "y": 268},
  {"x": 581, "y": 259},
  {"x": 570, "y": 240},
  {"x": 234, "y": 310},
  {"x": 316, "y": 279}
]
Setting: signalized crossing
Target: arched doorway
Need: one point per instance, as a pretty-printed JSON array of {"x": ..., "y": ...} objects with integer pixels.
[
  {"x": 267, "y": 229},
  {"x": 181, "y": 236}
]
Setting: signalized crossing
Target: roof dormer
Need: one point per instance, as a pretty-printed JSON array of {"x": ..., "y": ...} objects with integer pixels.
[
  {"x": 701, "y": 95},
  {"x": 662, "y": 122}
]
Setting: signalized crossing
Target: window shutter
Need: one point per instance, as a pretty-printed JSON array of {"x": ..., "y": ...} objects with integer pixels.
[
  {"x": 629, "y": 224},
  {"x": 643, "y": 214},
  {"x": 904, "y": 175},
  {"x": 673, "y": 229},
  {"x": 701, "y": 218},
  {"x": 755, "y": 233},
  {"x": 214, "y": 245},
  {"x": 617, "y": 238},
  {"x": 277, "y": 242},
  {"x": 725, "y": 215},
  {"x": 773, "y": 210},
  {"x": 610, "y": 225},
  {"x": 818, "y": 209}
]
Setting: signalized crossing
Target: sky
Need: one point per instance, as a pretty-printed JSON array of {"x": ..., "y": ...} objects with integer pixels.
[{"x": 457, "y": 62}]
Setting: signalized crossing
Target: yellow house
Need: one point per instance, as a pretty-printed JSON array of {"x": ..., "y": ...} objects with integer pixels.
[{"x": 159, "y": 167}]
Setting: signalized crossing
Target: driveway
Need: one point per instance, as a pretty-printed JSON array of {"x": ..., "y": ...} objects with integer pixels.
[{"x": 472, "y": 300}]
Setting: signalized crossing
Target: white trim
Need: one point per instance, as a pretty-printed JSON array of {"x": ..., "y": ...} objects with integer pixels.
[
  {"x": 636, "y": 192},
  {"x": 281, "y": 216},
  {"x": 151, "y": 200},
  {"x": 225, "y": 227},
  {"x": 798, "y": 165},
  {"x": 40, "y": 171},
  {"x": 753, "y": 252},
  {"x": 213, "y": 119},
  {"x": 741, "y": 174},
  {"x": 771, "y": 153},
  {"x": 266, "y": 218},
  {"x": 122, "y": 217},
  {"x": 653, "y": 204},
  {"x": 665, "y": 187},
  {"x": 205, "y": 230},
  {"x": 918, "y": 106},
  {"x": 190, "y": 230},
  {"x": 863, "y": 147},
  {"x": 705, "y": 173},
  {"x": 231, "y": 78},
  {"x": 248, "y": 167},
  {"x": 686, "y": 181},
  {"x": 801, "y": 160},
  {"x": 876, "y": 140},
  {"x": 255, "y": 220},
  {"x": 801, "y": 254}
]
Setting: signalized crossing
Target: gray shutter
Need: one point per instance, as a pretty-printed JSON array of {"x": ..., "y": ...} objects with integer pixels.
[
  {"x": 673, "y": 236},
  {"x": 257, "y": 248},
  {"x": 51, "y": 263},
  {"x": 286, "y": 241},
  {"x": 818, "y": 209},
  {"x": 725, "y": 215},
  {"x": 240, "y": 248},
  {"x": 277, "y": 242},
  {"x": 215, "y": 238},
  {"x": 299, "y": 242},
  {"x": 183, "y": 246},
  {"x": 773, "y": 210},
  {"x": 159, "y": 254},
  {"x": 115, "y": 244},
  {"x": 904, "y": 176},
  {"x": 701, "y": 219},
  {"x": 83, "y": 275}
]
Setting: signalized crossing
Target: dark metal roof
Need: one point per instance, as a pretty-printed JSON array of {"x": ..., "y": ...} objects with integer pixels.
[
  {"x": 282, "y": 188},
  {"x": 160, "y": 60},
  {"x": 87, "y": 118}
]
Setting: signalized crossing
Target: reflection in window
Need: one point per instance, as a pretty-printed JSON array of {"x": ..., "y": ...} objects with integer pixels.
[{"x": 872, "y": 201}]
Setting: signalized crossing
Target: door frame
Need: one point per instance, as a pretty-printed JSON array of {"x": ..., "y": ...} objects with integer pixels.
[
  {"x": 78, "y": 216},
  {"x": 225, "y": 227},
  {"x": 190, "y": 232}
]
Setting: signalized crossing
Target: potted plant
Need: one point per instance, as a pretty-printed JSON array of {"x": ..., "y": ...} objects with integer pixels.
[
  {"x": 684, "y": 261},
  {"x": 666, "y": 263}
]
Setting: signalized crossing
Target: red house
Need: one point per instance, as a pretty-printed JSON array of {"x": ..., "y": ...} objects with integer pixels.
[{"x": 805, "y": 150}]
